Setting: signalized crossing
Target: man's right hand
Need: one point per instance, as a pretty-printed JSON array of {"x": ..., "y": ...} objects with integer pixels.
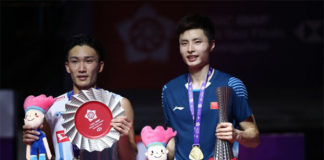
[{"x": 30, "y": 134}]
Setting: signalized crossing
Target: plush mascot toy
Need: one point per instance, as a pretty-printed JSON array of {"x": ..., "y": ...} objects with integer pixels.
[
  {"x": 36, "y": 108},
  {"x": 156, "y": 141}
]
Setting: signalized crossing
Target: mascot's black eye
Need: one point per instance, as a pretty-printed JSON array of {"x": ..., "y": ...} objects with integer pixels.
[
  {"x": 152, "y": 151},
  {"x": 161, "y": 150}
]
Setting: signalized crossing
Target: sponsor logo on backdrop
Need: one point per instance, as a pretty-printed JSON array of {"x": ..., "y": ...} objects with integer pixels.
[
  {"x": 146, "y": 35},
  {"x": 310, "y": 31}
]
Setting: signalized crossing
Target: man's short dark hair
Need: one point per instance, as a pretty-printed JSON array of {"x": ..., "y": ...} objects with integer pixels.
[
  {"x": 196, "y": 21},
  {"x": 84, "y": 39}
]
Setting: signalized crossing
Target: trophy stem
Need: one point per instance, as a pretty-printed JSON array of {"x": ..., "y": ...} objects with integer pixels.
[{"x": 223, "y": 149}]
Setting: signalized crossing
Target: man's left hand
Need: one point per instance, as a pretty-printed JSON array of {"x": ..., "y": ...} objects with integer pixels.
[
  {"x": 226, "y": 131},
  {"x": 122, "y": 124}
]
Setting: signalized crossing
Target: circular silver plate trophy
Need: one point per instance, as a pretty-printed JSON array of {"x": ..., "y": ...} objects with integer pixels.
[{"x": 87, "y": 119}]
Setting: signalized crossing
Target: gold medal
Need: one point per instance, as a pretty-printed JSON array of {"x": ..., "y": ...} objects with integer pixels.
[{"x": 196, "y": 153}]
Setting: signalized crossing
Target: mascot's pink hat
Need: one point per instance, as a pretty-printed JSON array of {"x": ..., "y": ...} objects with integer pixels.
[
  {"x": 157, "y": 136},
  {"x": 40, "y": 102}
]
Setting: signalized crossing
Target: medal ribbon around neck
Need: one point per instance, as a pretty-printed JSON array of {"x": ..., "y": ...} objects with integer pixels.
[{"x": 199, "y": 107}]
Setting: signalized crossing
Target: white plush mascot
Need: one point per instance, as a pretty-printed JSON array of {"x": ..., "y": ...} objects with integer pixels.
[{"x": 36, "y": 108}]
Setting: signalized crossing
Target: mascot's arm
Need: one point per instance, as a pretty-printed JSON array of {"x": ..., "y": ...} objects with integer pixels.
[
  {"x": 48, "y": 151},
  {"x": 28, "y": 152}
]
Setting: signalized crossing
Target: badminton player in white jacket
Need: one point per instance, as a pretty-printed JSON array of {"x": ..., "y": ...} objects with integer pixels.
[{"x": 84, "y": 61}]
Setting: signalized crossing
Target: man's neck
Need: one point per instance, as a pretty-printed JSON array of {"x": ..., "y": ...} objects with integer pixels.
[
  {"x": 76, "y": 89},
  {"x": 198, "y": 76}
]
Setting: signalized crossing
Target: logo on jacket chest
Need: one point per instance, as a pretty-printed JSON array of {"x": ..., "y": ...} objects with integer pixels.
[
  {"x": 178, "y": 108},
  {"x": 61, "y": 137},
  {"x": 213, "y": 106}
]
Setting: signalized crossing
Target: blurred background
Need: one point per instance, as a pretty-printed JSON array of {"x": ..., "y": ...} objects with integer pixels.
[{"x": 274, "y": 47}]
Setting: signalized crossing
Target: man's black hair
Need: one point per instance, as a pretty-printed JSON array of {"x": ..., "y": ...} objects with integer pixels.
[
  {"x": 84, "y": 39},
  {"x": 196, "y": 21}
]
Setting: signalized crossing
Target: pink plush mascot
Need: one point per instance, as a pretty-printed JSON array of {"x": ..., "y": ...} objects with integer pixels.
[
  {"x": 36, "y": 108},
  {"x": 156, "y": 141}
]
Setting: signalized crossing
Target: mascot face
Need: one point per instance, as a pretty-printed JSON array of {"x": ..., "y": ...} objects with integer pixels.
[
  {"x": 156, "y": 152},
  {"x": 34, "y": 118}
]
